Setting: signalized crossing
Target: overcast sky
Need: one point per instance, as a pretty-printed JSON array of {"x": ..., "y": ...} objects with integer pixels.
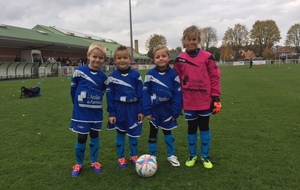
[{"x": 110, "y": 18}]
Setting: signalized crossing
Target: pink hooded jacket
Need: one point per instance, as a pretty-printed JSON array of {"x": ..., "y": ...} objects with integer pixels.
[{"x": 200, "y": 80}]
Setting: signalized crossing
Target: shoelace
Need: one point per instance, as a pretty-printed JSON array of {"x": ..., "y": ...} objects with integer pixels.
[
  {"x": 134, "y": 158},
  {"x": 96, "y": 165},
  {"x": 174, "y": 160},
  {"x": 206, "y": 159},
  {"x": 173, "y": 157},
  {"x": 77, "y": 167},
  {"x": 122, "y": 161}
]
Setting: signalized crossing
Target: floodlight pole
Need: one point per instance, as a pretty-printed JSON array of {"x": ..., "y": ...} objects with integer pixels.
[{"x": 131, "y": 42}]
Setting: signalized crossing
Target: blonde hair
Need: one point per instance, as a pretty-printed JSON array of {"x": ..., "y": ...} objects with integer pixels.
[
  {"x": 190, "y": 30},
  {"x": 122, "y": 48},
  {"x": 161, "y": 47},
  {"x": 98, "y": 46}
]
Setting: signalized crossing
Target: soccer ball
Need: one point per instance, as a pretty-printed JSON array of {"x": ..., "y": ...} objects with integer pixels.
[{"x": 146, "y": 165}]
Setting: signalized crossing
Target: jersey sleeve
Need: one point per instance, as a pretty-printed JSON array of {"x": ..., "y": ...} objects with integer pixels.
[
  {"x": 104, "y": 85},
  {"x": 110, "y": 98},
  {"x": 147, "y": 96},
  {"x": 177, "y": 100},
  {"x": 140, "y": 94},
  {"x": 214, "y": 74},
  {"x": 74, "y": 85},
  {"x": 176, "y": 66}
]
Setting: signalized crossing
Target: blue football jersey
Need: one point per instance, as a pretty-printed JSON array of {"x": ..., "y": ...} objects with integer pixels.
[
  {"x": 87, "y": 90},
  {"x": 124, "y": 88},
  {"x": 162, "y": 87}
]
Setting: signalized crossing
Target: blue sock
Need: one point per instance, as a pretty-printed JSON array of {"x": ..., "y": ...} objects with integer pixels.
[
  {"x": 169, "y": 140},
  {"x": 152, "y": 147},
  {"x": 192, "y": 140},
  {"x": 205, "y": 143},
  {"x": 133, "y": 144},
  {"x": 94, "y": 149},
  {"x": 79, "y": 151},
  {"x": 120, "y": 143}
]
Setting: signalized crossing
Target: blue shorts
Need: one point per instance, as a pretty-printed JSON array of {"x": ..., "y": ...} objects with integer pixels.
[
  {"x": 127, "y": 119},
  {"x": 192, "y": 115},
  {"x": 162, "y": 116},
  {"x": 85, "y": 128}
]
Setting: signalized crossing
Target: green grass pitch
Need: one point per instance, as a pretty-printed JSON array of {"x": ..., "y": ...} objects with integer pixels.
[{"x": 255, "y": 139}]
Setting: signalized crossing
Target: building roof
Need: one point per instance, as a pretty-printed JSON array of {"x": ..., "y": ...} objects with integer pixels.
[
  {"x": 54, "y": 39},
  {"x": 284, "y": 49}
]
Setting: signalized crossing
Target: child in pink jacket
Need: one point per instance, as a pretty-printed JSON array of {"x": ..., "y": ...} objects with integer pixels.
[{"x": 200, "y": 82}]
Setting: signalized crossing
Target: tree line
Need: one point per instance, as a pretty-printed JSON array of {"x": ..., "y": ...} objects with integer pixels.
[{"x": 261, "y": 40}]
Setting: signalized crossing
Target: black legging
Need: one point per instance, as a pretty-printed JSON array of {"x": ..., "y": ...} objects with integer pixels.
[
  {"x": 82, "y": 138},
  {"x": 153, "y": 133},
  {"x": 202, "y": 122}
]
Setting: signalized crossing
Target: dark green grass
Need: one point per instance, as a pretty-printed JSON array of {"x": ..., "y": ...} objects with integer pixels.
[{"x": 255, "y": 139}]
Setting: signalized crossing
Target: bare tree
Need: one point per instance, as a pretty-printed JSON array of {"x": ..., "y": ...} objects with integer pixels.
[
  {"x": 210, "y": 38},
  {"x": 236, "y": 38},
  {"x": 293, "y": 37}
]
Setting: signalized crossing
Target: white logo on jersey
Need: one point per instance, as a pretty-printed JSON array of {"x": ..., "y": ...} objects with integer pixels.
[{"x": 81, "y": 96}]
